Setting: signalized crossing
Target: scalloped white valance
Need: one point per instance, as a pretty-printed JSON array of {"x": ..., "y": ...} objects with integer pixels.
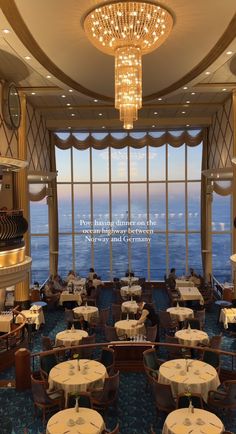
[{"x": 121, "y": 140}]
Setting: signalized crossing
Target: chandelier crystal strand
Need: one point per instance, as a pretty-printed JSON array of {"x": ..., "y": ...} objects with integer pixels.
[
  {"x": 128, "y": 84},
  {"x": 127, "y": 30}
]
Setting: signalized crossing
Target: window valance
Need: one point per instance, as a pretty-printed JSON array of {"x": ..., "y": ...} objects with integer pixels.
[{"x": 121, "y": 140}]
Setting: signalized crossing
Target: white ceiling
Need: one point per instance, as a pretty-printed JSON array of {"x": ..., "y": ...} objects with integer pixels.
[{"x": 51, "y": 33}]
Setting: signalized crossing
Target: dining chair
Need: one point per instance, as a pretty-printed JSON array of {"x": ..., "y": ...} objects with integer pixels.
[
  {"x": 163, "y": 396},
  {"x": 106, "y": 397},
  {"x": 194, "y": 323},
  {"x": 47, "y": 362},
  {"x": 84, "y": 400},
  {"x": 201, "y": 316},
  {"x": 107, "y": 358},
  {"x": 69, "y": 318},
  {"x": 110, "y": 333},
  {"x": 116, "y": 312},
  {"x": 225, "y": 398},
  {"x": 183, "y": 400},
  {"x": 43, "y": 399},
  {"x": 86, "y": 353},
  {"x": 116, "y": 430},
  {"x": 176, "y": 352},
  {"x": 212, "y": 359},
  {"x": 103, "y": 318},
  {"x": 151, "y": 333},
  {"x": 166, "y": 323},
  {"x": 151, "y": 362}
]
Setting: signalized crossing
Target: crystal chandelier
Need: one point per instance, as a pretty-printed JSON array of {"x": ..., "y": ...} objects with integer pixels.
[{"x": 126, "y": 30}]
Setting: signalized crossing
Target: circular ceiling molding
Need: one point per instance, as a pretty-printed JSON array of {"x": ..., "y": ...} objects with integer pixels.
[{"x": 76, "y": 64}]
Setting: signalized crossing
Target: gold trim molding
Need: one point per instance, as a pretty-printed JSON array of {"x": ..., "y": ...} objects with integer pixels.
[
  {"x": 12, "y": 257},
  {"x": 16, "y": 21}
]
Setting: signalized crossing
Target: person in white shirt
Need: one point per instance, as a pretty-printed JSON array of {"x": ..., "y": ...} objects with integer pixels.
[
  {"x": 91, "y": 274},
  {"x": 71, "y": 276},
  {"x": 97, "y": 281}
]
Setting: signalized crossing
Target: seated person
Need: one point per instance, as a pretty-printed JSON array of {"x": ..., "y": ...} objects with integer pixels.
[
  {"x": 91, "y": 274},
  {"x": 82, "y": 324},
  {"x": 129, "y": 274},
  {"x": 97, "y": 281},
  {"x": 50, "y": 292},
  {"x": 172, "y": 274},
  {"x": 90, "y": 288},
  {"x": 58, "y": 283},
  {"x": 194, "y": 277},
  {"x": 70, "y": 276}
]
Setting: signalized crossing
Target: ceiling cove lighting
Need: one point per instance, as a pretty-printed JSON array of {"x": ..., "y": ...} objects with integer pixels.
[{"x": 127, "y": 30}]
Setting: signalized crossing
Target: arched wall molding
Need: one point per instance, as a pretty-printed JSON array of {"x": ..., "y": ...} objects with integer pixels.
[{"x": 110, "y": 141}]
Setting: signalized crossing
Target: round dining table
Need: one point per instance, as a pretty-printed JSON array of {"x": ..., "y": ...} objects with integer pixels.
[
  {"x": 88, "y": 312},
  {"x": 180, "y": 313},
  {"x": 70, "y": 337},
  {"x": 129, "y": 328},
  {"x": 75, "y": 376},
  {"x": 183, "y": 421},
  {"x": 192, "y": 337},
  {"x": 85, "y": 421},
  {"x": 134, "y": 290},
  {"x": 189, "y": 375},
  {"x": 129, "y": 306}
]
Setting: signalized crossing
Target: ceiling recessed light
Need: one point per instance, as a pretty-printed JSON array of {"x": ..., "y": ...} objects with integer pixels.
[
  {"x": 103, "y": 127},
  {"x": 224, "y": 89},
  {"x": 155, "y": 113},
  {"x": 193, "y": 93},
  {"x": 27, "y": 57},
  {"x": 33, "y": 93},
  {"x": 188, "y": 102},
  {"x": 207, "y": 72},
  {"x": 187, "y": 125},
  {"x": 70, "y": 90},
  {"x": 159, "y": 99},
  {"x": 185, "y": 87},
  {"x": 95, "y": 100},
  {"x": 72, "y": 114},
  {"x": 153, "y": 126},
  {"x": 6, "y": 31},
  {"x": 183, "y": 113},
  {"x": 100, "y": 114},
  {"x": 229, "y": 53},
  {"x": 69, "y": 128},
  {"x": 48, "y": 76},
  {"x": 63, "y": 96},
  {"x": 68, "y": 104}
]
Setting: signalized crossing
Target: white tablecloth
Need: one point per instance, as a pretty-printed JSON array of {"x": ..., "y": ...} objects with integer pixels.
[
  {"x": 5, "y": 323},
  {"x": 200, "y": 377},
  {"x": 129, "y": 279},
  {"x": 182, "y": 421},
  {"x": 190, "y": 293},
  {"x": 124, "y": 327},
  {"x": 129, "y": 306},
  {"x": 182, "y": 283},
  {"x": 87, "y": 311},
  {"x": 66, "y": 376},
  {"x": 180, "y": 313},
  {"x": 92, "y": 422},
  {"x": 70, "y": 337},
  {"x": 134, "y": 290},
  {"x": 34, "y": 318},
  {"x": 192, "y": 337},
  {"x": 66, "y": 296},
  {"x": 228, "y": 316}
]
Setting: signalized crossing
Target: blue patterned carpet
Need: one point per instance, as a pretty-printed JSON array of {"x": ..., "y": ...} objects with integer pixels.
[{"x": 136, "y": 411}]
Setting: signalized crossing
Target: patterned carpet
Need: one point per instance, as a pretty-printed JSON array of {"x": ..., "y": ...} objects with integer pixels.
[{"x": 136, "y": 411}]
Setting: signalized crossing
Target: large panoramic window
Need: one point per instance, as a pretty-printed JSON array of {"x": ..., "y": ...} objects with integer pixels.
[
  {"x": 39, "y": 241},
  {"x": 129, "y": 208},
  {"x": 221, "y": 237}
]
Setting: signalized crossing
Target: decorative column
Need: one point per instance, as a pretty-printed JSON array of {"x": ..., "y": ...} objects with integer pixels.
[
  {"x": 234, "y": 187},
  {"x": 206, "y": 217},
  {"x": 53, "y": 216},
  {"x": 21, "y": 197}
]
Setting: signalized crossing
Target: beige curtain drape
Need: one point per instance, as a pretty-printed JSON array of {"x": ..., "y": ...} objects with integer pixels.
[{"x": 110, "y": 141}]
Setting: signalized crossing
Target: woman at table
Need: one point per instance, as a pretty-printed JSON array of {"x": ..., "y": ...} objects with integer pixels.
[
  {"x": 82, "y": 324},
  {"x": 91, "y": 274},
  {"x": 148, "y": 316},
  {"x": 70, "y": 276}
]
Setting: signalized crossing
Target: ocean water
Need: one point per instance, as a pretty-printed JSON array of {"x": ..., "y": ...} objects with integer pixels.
[{"x": 117, "y": 243}]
